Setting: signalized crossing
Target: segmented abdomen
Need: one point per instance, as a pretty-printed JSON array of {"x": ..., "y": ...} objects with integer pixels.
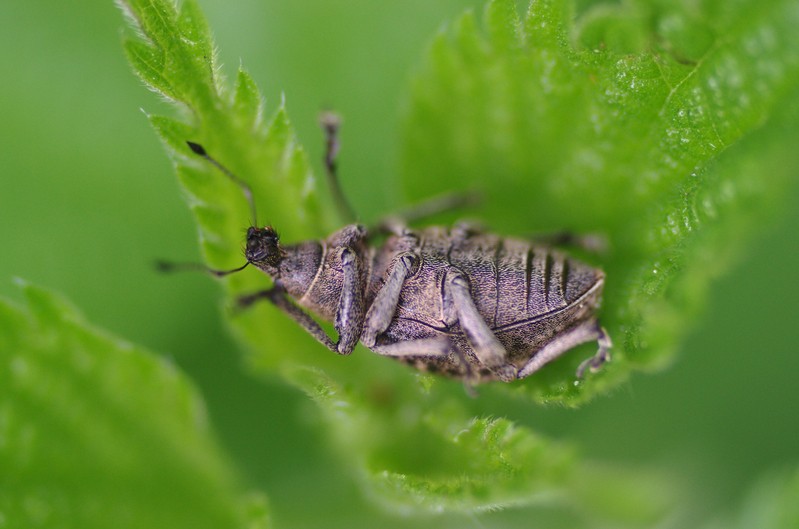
[{"x": 511, "y": 279}]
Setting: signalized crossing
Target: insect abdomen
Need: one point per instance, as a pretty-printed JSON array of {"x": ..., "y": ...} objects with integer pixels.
[{"x": 513, "y": 280}]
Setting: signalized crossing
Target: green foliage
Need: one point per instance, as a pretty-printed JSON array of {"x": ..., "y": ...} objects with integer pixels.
[
  {"x": 633, "y": 124},
  {"x": 434, "y": 478},
  {"x": 636, "y": 124},
  {"x": 171, "y": 52},
  {"x": 421, "y": 452},
  {"x": 427, "y": 453},
  {"x": 95, "y": 432}
]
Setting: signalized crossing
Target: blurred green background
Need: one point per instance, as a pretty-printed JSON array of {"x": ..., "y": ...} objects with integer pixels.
[{"x": 88, "y": 201}]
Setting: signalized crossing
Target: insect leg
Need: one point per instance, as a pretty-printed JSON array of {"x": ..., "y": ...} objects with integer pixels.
[
  {"x": 330, "y": 123},
  {"x": 602, "y": 355},
  {"x": 421, "y": 347},
  {"x": 384, "y": 306},
  {"x": 393, "y": 224},
  {"x": 465, "y": 228},
  {"x": 585, "y": 332},
  {"x": 350, "y": 312},
  {"x": 279, "y": 298},
  {"x": 486, "y": 346}
]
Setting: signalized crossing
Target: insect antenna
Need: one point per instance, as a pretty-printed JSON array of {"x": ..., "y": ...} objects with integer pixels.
[
  {"x": 330, "y": 123},
  {"x": 198, "y": 149},
  {"x": 168, "y": 267}
]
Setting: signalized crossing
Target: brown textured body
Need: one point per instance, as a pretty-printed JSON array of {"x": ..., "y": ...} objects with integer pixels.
[{"x": 527, "y": 294}]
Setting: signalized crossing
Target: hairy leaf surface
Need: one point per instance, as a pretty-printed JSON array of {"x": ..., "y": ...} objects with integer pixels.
[{"x": 660, "y": 127}]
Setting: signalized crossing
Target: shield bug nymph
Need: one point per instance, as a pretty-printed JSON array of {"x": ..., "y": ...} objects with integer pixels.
[{"x": 457, "y": 301}]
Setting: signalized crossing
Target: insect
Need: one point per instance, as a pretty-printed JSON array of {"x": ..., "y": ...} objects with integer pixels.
[{"x": 456, "y": 301}]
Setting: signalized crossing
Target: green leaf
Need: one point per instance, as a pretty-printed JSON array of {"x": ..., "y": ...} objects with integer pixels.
[
  {"x": 424, "y": 453},
  {"x": 668, "y": 129},
  {"x": 172, "y": 52},
  {"x": 96, "y": 432},
  {"x": 561, "y": 132},
  {"x": 427, "y": 454}
]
